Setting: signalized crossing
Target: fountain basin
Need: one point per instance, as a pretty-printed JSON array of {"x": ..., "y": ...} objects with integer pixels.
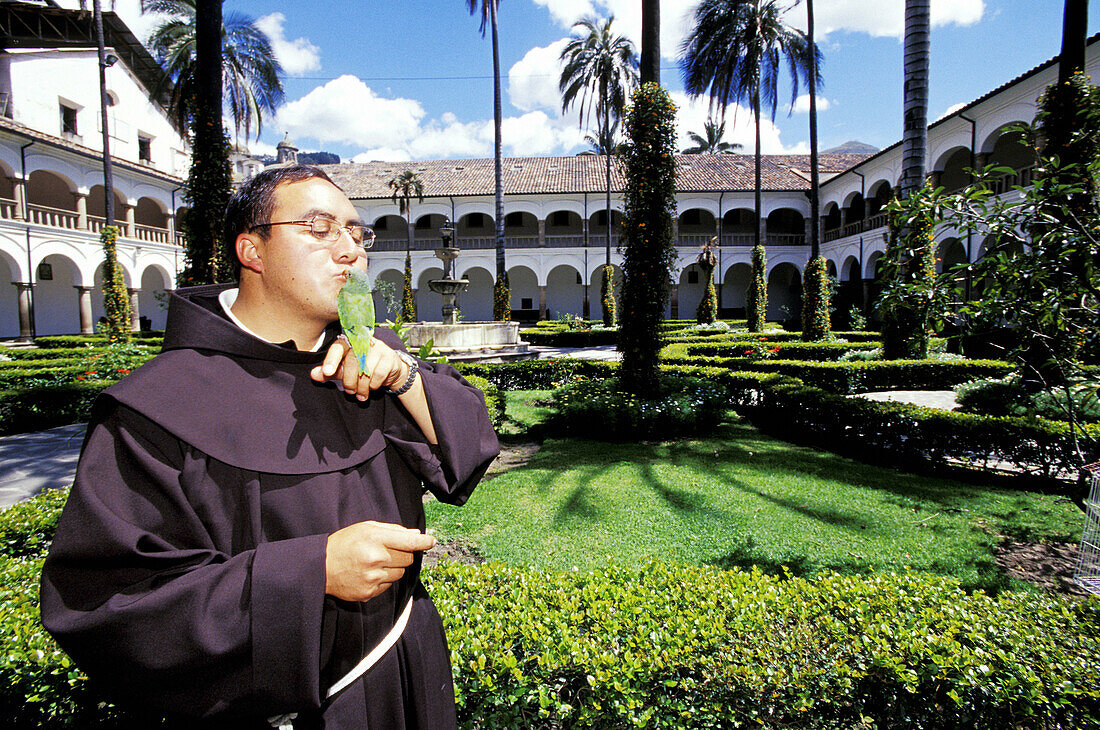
[{"x": 472, "y": 341}]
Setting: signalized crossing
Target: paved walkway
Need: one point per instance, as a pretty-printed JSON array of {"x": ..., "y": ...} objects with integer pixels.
[
  {"x": 33, "y": 462},
  {"x": 603, "y": 352}
]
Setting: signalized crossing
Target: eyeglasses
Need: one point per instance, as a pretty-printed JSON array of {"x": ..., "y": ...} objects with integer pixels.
[{"x": 326, "y": 229}]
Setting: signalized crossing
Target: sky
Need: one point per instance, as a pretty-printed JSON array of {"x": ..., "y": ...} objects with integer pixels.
[{"x": 412, "y": 80}]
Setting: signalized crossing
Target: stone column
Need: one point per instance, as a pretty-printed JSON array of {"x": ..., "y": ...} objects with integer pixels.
[
  {"x": 170, "y": 224},
  {"x": 19, "y": 192},
  {"x": 129, "y": 230},
  {"x": 865, "y": 295},
  {"x": 542, "y": 232},
  {"x": 135, "y": 312},
  {"x": 586, "y": 310},
  {"x": 26, "y": 310},
  {"x": 764, "y": 230},
  {"x": 84, "y": 304},
  {"x": 81, "y": 210},
  {"x": 584, "y": 231},
  {"x": 674, "y": 301},
  {"x": 675, "y": 231},
  {"x": 542, "y": 302},
  {"x": 981, "y": 159},
  {"x": 934, "y": 177}
]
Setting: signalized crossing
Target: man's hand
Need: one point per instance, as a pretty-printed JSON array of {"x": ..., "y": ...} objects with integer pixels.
[
  {"x": 384, "y": 368},
  {"x": 364, "y": 559}
]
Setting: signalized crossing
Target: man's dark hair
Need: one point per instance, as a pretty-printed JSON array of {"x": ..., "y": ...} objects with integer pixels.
[{"x": 254, "y": 202}]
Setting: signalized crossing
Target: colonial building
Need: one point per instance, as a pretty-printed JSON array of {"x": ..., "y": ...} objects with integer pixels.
[
  {"x": 52, "y": 201},
  {"x": 555, "y": 216}
]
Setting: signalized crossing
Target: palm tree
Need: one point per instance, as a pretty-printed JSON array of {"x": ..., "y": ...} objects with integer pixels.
[
  {"x": 600, "y": 69},
  {"x": 815, "y": 307},
  {"x": 710, "y": 142},
  {"x": 915, "y": 111},
  {"x": 601, "y": 144},
  {"x": 651, "y": 41},
  {"x": 251, "y": 74},
  {"x": 736, "y": 52},
  {"x": 489, "y": 18},
  {"x": 404, "y": 187}
]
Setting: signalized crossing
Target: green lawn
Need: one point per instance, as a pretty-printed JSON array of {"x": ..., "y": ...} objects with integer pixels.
[{"x": 740, "y": 498}]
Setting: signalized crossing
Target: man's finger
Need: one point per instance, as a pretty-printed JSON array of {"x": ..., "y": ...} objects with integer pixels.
[
  {"x": 351, "y": 372},
  {"x": 409, "y": 541},
  {"x": 333, "y": 357}
]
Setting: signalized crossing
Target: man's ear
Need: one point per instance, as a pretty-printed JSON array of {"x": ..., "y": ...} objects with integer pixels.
[{"x": 248, "y": 252}]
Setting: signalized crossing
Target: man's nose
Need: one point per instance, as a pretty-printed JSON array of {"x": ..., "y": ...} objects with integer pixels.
[{"x": 345, "y": 247}]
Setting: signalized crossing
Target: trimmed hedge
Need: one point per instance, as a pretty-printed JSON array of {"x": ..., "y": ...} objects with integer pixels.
[
  {"x": 141, "y": 338},
  {"x": 901, "y": 432},
  {"x": 570, "y": 338},
  {"x": 38, "y": 408},
  {"x": 805, "y": 351},
  {"x": 667, "y": 646},
  {"x": 537, "y": 374},
  {"x": 861, "y": 376},
  {"x": 494, "y": 401}
]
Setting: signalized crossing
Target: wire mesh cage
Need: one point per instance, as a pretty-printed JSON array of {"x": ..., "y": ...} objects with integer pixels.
[{"x": 1087, "y": 573}]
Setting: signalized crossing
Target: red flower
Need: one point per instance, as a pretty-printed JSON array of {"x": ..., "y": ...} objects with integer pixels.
[
  {"x": 91, "y": 372},
  {"x": 124, "y": 371},
  {"x": 79, "y": 377}
]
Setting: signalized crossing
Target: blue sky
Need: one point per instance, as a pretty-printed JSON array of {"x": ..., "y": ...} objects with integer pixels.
[{"x": 413, "y": 79}]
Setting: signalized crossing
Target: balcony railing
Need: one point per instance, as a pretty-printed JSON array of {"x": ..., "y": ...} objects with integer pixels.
[{"x": 45, "y": 215}]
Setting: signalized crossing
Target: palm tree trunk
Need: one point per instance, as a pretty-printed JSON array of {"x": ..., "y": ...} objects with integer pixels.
[
  {"x": 108, "y": 178},
  {"x": 1074, "y": 23},
  {"x": 607, "y": 154},
  {"x": 758, "y": 162},
  {"x": 815, "y": 180},
  {"x": 651, "y": 41},
  {"x": 497, "y": 146},
  {"x": 915, "y": 112}
]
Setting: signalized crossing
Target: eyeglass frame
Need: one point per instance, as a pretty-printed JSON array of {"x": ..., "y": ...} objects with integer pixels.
[{"x": 364, "y": 244}]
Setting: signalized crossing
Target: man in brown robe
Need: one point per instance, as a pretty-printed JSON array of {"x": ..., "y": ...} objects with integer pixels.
[{"x": 246, "y": 524}]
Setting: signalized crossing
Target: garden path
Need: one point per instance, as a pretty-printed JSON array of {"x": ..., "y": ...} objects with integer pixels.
[{"x": 33, "y": 462}]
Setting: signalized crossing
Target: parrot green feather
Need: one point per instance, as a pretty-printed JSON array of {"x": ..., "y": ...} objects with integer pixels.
[{"x": 355, "y": 305}]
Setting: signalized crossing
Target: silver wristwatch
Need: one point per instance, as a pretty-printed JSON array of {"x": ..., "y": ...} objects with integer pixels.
[{"x": 414, "y": 370}]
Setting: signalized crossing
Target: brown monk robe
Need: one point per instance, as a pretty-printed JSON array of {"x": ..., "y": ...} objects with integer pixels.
[{"x": 188, "y": 570}]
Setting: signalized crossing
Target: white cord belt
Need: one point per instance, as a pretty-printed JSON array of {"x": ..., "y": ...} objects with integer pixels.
[{"x": 283, "y": 722}]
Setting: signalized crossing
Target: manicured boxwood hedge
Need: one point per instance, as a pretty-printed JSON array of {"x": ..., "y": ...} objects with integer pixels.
[
  {"x": 570, "y": 338},
  {"x": 855, "y": 377},
  {"x": 494, "y": 401},
  {"x": 805, "y": 351},
  {"x": 46, "y": 406},
  {"x": 537, "y": 374},
  {"x": 668, "y": 646}
]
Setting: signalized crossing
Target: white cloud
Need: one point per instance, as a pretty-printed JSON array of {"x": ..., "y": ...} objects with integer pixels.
[
  {"x": 345, "y": 110},
  {"x": 297, "y": 56},
  {"x": 881, "y": 18},
  {"x": 533, "y": 80},
  {"x": 382, "y": 154},
  {"x": 692, "y": 114},
  {"x": 802, "y": 104},
  {"x": 951, "y": 110}
]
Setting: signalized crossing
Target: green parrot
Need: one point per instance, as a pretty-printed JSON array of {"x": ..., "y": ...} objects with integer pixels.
[{"x": 356, "y": 307}]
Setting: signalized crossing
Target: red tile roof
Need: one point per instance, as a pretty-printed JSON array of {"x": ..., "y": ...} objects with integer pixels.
[{"x": 580, "y": 174}]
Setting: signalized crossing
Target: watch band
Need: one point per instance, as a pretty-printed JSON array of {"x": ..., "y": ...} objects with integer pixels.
[{"x": 414, "y": 370}]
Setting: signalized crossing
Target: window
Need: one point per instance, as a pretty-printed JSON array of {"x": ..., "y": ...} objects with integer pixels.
[
  {"x": 68, "y": 121},
  {"x": 145, "y": 148},
  {"x": 381, "y": 224},
  {"x": 424, "y": 222},
  {"x": 475, "y": 220},
  {"x": 693, "y": 276},
  {"x": 513, "y": 220},
  {"x": 601, "y": 217},
  {"x": 691, "y": 217},
  {"x": 525, "y": 303},
  {"x": 559, "y": 218}
]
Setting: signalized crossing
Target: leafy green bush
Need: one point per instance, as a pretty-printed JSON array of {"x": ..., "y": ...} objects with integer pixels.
[
  {"x": 494, "y": 401},
  {"x": 537, "y": 374},
  {"x": 146, "y": 338},
  {"x": 565, "y": 337},
  {"x": 900, "y": 433},
  {"x": 48, "y": 405},
  {"x": 27, "y": 527},
  {"x": 678, "y": 647},
  {"x": 601, "y": 409},
  {"x": 817, "y": 351},
  {"x": 669, "y": 646},
  {"x": 1007, "y": 397}
]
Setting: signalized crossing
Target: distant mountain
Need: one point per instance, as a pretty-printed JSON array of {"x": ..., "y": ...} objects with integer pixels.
[
  {"x": 318, "y": 158},
  {"x": 851, "y": 148}
]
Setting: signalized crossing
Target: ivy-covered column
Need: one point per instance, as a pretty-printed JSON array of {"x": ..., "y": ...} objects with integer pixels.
[{"x": 115, "y": 300}]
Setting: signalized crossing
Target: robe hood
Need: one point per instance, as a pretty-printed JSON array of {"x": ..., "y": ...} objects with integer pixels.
[{"x": 257, "y": 409}]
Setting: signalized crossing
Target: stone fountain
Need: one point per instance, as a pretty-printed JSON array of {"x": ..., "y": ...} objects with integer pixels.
[{"x": 465, "y": 341}]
